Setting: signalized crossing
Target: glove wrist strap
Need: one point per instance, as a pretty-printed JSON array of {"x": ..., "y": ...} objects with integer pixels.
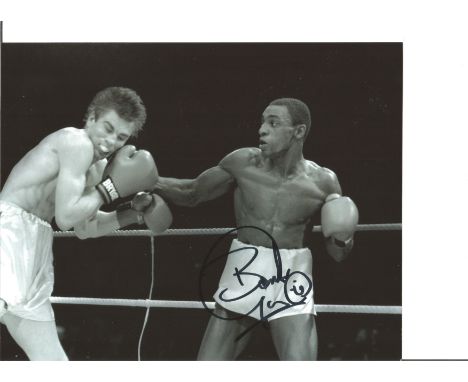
[
  {"x": 340, "y": 243},
  {"x": 126, "y": 215},
  {"x": 107, "y": 190}
]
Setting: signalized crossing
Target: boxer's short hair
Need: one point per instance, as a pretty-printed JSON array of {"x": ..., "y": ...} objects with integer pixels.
[
  {"x": 126, "y": 103},
  {"x": 298, "y": 110}
]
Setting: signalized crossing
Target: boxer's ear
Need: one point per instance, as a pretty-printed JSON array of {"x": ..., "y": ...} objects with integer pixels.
[
  {"x": 300, "y": 131},
  {"x": 92, "y": 117}
]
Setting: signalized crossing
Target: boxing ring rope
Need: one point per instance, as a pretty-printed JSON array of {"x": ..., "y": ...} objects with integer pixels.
[
  {"x": 148, "y": 303},
  {"x": 366, "y": 309},
  {"x": 222, "y": 231},
  {"x": 363, "y": 309}
]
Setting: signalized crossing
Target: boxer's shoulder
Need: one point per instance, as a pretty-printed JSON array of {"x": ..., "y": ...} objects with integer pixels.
[
  {"x": 323, "y": 177},
  {"x": 316, "y": 171},
  {"x": 70, "y": 138},
  {"x": 67, "y": 142},
  {"x": 241, "y": 158},
  {"x": 71, "y": 132}
]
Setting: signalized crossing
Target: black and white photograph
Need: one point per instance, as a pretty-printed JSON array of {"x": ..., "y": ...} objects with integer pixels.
[
  {"x": 256, "y": 189},
  {"x": 249, "y": 183}
]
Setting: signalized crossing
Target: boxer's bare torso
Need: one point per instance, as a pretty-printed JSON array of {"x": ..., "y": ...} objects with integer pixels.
[
  {"x": 280, "y": 205},
  {"x": 32, "y": 183},
  {"x": 276, "y": 189}
]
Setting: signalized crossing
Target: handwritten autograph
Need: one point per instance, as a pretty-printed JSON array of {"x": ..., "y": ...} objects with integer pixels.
[{"x": 296, "y": 285}]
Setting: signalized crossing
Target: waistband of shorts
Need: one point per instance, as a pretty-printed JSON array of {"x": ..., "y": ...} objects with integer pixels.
[
  {"x": 8, "y": 207},
  {"x": 291, "y": 250}
]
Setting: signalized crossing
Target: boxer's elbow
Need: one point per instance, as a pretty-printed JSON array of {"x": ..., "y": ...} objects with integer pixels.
[
  {"x": 81, "y": 233},
  {"x": 65, "y": 217},
  {"x": 63, "y": 223},
  {"x": 86, "y": 230}
]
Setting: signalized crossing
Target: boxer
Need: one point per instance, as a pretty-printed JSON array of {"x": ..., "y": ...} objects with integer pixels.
[
  {"x": 62, "y": 178},
  {"x": 268, "y": 271}
]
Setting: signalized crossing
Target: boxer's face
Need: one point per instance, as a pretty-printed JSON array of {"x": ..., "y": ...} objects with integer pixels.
[
  {"x": 277, "y": 131},
  {"x": 108, "y": 133}
]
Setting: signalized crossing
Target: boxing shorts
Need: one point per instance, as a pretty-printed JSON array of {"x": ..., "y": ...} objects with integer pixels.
[
  {"x": 265, "y": 285},
  {"x": 26, "y": 263}
]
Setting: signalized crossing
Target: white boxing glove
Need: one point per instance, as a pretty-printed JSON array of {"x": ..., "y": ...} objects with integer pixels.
[
  {"x": 157, "y": 216},
  {"x": 340, "y": 217}
]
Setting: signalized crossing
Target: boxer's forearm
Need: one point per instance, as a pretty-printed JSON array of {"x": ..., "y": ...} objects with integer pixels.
[
  {"x": 100, "y": 225},
  {"x": 71, "y": 210},
  {"x": 178, "y": 191}
]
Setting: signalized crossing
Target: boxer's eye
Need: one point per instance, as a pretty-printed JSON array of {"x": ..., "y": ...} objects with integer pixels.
[{"x": 273, "y": 123}]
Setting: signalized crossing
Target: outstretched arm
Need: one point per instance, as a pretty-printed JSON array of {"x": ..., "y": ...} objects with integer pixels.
[{"x": 209, "y": 185}]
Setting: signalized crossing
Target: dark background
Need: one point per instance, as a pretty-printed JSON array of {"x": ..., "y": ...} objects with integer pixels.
[{"x": 204, "y": 101}]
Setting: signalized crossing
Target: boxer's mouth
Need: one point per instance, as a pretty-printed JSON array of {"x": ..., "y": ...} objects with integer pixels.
[{"x": 103, "y": 151}]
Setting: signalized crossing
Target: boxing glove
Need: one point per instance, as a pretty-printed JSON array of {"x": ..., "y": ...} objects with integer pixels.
[
  {"x": 157, "y": 216},
  {"x": 339, "y": 217},
  {"x": 131, "y": 212},
  {"x": 128, "y": 172}
]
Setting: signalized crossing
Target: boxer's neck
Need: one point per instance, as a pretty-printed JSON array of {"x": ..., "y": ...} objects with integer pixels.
[{"x": 287, "y": 163}]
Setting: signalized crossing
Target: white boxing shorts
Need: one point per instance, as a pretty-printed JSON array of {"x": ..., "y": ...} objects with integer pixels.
[
  {"x": 26, "y": 263},
  {"x": 266, "y": 285}
]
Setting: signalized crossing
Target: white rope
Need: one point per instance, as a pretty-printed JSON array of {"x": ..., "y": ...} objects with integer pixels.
[
  {"x": 222, "y": 231},
  {"x": 368, "y": 309},
  {"x": 148, "y": 303},
  {"x": 150, "y": 294}
]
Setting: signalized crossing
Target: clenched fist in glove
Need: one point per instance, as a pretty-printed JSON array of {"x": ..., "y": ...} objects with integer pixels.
[
  {"x": 339, "y": 219},
  {"x": 129, "y": 171},
  {"x": 146, "y": 208}
]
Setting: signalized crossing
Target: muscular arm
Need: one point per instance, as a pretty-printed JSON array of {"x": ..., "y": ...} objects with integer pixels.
[
  {"x": 74, "y": 204},
  {"x": 149, "y": 209},
  {"x": 209, "y": 185},
  {"x": 330, "y": 182}
]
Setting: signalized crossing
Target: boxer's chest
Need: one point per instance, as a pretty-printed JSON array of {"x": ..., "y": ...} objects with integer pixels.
[{"x": 291, "y": 199}]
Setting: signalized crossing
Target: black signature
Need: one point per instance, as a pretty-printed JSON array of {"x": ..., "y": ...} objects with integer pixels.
[{"x": 296, "y": 285}]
